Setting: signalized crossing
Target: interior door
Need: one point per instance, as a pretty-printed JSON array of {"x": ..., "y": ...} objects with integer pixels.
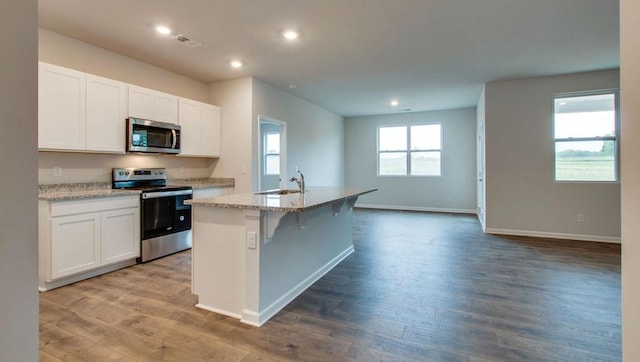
[{"x": 272, "y": 154}]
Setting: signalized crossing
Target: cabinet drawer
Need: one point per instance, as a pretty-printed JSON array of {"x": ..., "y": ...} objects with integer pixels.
[{"x": 59, "y": 208}]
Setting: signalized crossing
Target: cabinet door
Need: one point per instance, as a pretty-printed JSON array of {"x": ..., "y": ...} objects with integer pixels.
[
  {"x": 120, "y": 235},
  {"x": 106, "y": 125},
  {"x": 165, "y": 108},
  {"x": 75, "y": 244},
  {"x": 210, "y": 131},
  {"x": 189, "y": 120},
  {"x": 141, "y": 102},
  {"x": 61, "y": 108}
]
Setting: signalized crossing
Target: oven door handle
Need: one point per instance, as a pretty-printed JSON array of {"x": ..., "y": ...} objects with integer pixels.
[
  {"x": 175, "y": 138},
  {"x": 155, "y": 195}
]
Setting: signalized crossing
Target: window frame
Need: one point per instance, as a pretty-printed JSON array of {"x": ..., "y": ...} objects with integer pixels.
[
  {"x": 615, "y": 138},
  {"x": 407, "y": 151},
  {"x": 267, "y": 154}
]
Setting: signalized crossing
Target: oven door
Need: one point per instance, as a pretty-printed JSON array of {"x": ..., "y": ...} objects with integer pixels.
[{"x": 165, "y": 213}]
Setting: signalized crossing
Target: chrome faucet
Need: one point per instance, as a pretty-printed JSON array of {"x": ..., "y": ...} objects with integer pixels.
[{"x": 299, "y": 181}]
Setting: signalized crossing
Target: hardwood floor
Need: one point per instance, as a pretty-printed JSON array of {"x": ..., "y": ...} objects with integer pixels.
[{"x": 420, "y": 286}]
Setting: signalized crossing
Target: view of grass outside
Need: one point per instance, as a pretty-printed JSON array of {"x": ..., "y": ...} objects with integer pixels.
[
  {"x": 425, "y": 163},
  {"x": 591, "y": 166}
]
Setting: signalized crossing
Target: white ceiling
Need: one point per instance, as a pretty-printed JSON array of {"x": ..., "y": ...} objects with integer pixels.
[{"x": 354, "y": 56}]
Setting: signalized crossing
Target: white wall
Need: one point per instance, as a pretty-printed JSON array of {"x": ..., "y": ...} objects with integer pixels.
[
  {"x": 18, "y": 144},
  {"x": 454, "y": 191},
  {"x": 234, "y": 99},
  {"x": 67, "y": 52},
  {"x": 315, "y": 136},
  {"x": 521, "y": 195},
  {"x": 630, "y": 92}
]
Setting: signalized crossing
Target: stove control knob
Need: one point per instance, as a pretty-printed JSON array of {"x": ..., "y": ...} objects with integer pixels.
[
  {"x": 121, "y": 173},
  {"x": 126, "y": 173},
  {"x": 161, "y": 172},
  {"x": 181, "y": 218}
]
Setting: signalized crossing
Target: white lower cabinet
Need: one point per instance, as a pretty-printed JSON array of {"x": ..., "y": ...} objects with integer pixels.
[
  {"x": 83, "y": 238},
  {"x": 75, "y": 244},
  {"x": 119, "y": 235}
]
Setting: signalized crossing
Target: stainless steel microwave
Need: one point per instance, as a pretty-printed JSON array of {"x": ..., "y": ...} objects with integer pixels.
[{"x": 144, "y": 135}]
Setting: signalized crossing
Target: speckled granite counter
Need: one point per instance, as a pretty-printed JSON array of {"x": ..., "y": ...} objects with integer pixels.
[
  {"x": 58, "y": 192},
  {"x": 87, "y": 190},
  {"x": 295, "y": 202},
  {"x": 203, "y": 183}
]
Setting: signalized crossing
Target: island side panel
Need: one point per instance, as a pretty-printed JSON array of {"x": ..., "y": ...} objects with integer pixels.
[
  {"x": 303, "y": 248},
  {"x": 218, "y": 259}
]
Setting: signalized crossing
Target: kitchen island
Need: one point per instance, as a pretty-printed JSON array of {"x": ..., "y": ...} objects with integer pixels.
[{"x": 254, "y": 253}]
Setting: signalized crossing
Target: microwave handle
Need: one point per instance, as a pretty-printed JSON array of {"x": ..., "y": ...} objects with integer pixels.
[{"x": 175, "y": 138}]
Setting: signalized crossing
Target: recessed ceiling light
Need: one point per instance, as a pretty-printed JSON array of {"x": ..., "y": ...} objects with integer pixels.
[
  {"x": 290, "y": 34},
  {"x": 394, "y": 103},
  {"x": 163, "y": 30},
  {"x": 235, "y": 64}
]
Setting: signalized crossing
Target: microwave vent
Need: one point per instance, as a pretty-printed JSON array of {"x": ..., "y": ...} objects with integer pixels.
[{"x": 187, "y": 41}]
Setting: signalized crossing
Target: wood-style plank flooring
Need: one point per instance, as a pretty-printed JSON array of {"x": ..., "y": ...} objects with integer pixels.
[{"x": 420, "y": 286}]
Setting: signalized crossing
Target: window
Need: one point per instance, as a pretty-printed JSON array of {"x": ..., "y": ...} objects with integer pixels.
[
  {"x": 271, "y": 144},
  {"x": 586, "y": 136},
  {"x": 409, "y": 150}
]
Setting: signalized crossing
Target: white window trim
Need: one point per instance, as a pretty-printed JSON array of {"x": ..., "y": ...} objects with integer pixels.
[
  {"x": 616, "y": 138},
  {"x": 408, "y": 150}
]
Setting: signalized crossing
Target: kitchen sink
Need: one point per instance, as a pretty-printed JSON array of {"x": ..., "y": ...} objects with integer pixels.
[{"x": 279, "y": 192}]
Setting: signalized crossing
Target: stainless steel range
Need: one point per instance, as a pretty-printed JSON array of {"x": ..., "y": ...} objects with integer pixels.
[{"x": 165, "y": 219}]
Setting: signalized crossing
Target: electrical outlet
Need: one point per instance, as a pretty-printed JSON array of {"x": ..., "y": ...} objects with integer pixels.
[
  {"x": 580, "y": 218},
  {"x": 57, "y": 171},
  {"x": 181, "y": 169},
  {"x": 251, "y": 239}
]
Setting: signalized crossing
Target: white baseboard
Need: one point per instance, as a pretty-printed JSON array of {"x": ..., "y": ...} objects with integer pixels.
[
  {"x": 44, "y": 286},
  {"x": 415, "y": 208},
  {"x": 543, "y": 234},
  {"x": 219, "y": 311},
  {"x": 288, "y": 297}
]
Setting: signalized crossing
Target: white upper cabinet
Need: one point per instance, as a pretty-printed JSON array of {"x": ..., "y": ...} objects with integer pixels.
[
  {"x": 79, "y": 111},
  {"x": 106, "y": 114},
  {"x": 153, "y": 105},
  {"x": 82, "y": 112},
  {"x": 210, "y": 130},
  {"x": 200, "y": 129},
  {"x": 61, "y": 108}
]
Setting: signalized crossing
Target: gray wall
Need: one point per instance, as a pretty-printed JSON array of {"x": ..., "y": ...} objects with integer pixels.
[
  {"x": 18, "y": 144},
  {"x": 521, "y": 195},
  {"x": 630, "y": 92},
  {"x": 315, "y": 136},
  {"x": 454, "y": 191}
]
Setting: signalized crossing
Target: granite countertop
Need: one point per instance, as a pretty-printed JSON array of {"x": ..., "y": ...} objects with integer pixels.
[
  {"x": 70, "y": 191},
  {"x": 87, "y": 190},
  {"x": 203, "y": 183},
  {"x": 294, "y": 202}
]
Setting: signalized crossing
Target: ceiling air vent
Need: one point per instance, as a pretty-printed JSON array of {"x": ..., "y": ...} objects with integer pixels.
[{"x": 187, "y": 41}]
